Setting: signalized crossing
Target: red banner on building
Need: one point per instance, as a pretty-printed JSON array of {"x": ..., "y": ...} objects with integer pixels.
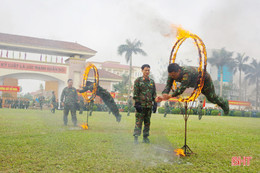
[
  {"x": 10, "y": 88},
  {"x": 32, "y": 67},
  {"x": 239, "y": 103}
]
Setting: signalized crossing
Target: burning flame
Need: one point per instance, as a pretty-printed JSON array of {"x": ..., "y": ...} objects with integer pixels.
[
  {"x": 179, "y": 152},
  {"x": 84, "y": 126}
]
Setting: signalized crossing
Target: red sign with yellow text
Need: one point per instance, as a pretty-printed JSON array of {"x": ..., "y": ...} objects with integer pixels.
[
  {"x": 32, "y": 67},
  {"x": 10, "y": 88}
]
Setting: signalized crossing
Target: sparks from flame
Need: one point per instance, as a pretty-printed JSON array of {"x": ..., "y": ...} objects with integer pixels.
[{"x": 179, "y": 152}]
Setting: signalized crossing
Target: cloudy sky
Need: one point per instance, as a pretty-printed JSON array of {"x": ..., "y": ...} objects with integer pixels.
[{"x": 103, "y": 25}]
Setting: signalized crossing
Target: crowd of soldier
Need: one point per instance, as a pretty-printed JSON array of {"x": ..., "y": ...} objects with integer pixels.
[{"x": 15, "y": 103}]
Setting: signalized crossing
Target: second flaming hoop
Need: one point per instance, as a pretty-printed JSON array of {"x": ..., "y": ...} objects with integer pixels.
[
  {"x": 182, "y": 35},
  {"x": 95, "y": 83}
]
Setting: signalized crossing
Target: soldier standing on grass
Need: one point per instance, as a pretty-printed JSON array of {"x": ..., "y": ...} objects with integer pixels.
[
  {"x": 53, "y": 102},
  {"x": 200, "y": 108},
  {"x": 69, "y": 99},
  {"x": 144, "y": 96}
]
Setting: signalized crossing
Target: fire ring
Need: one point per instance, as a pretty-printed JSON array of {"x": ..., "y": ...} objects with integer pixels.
[
  {"x": 95, "y": 83},
  {"x": 182, "y": 35}
]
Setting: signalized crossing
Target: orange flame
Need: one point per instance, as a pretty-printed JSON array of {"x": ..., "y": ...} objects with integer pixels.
[
  {"x": 179, "y": 152},
  {"x": 84, "y": 126}
]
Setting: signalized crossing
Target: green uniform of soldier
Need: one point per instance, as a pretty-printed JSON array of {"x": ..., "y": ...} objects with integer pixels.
[
  {"x": 144, "y": 96},
  {"x": 53, "y": 102},
  {"x": 200, "y": 108},
  {"x": 188, "y": 77},
  {"x": 105, "y": 96},
  {"x": 1, "y": 102},
  {"x": 166, "y": 108},
  {"x": 129, "y": 105},
  {"x": 69, "y": 99}
]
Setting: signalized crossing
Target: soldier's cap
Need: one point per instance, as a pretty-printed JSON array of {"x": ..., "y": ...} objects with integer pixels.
[{"x": 89, "y": 83}]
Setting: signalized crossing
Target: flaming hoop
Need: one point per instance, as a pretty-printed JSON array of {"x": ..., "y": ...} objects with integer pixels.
[
  {"x": 94, "y": 90},
  {"x": 182, "y": 35},
  {"x": 95, "y": 84}
]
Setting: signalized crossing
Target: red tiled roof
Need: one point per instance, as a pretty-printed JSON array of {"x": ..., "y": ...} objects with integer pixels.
[
  {"x": 105, "y": 74},
  {"x": 43, "y": 43}
]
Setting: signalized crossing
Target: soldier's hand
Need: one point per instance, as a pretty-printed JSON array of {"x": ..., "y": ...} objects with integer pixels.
[
  {"x": 62, "y": 104},
  {"x": 158, "y": 99},
  {"x": 154, "y": 107},
  {"x": 166, "y": 96},
  {"x": 138, "y": 107}
]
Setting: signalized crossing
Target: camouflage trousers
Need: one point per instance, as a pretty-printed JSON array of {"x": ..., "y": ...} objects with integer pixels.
[
  {"x": 72, "y": 109},
  {"x": 144, "y": 116},
  {"x": 209, "y": 91}
]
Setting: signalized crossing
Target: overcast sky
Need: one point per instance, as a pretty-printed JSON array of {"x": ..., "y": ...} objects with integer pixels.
[{"x": 103, "y": 25}]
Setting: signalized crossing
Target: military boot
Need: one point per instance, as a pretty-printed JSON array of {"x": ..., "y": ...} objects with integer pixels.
[
  {"x": 136, "y": 140},
  {"x": 225, "y": 107},
  {"x": 146, "y": 140}
]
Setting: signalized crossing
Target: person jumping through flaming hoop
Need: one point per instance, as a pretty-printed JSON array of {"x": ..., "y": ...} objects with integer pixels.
[
  {"x": 106, "y": 97},
  {"x": 187, "y": 76}
]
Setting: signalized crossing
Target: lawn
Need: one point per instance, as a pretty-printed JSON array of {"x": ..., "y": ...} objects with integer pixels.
[{"x": 37, "y": 141}]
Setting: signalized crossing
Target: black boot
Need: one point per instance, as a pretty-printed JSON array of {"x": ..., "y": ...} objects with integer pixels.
[{"x": 146, "y": 140}]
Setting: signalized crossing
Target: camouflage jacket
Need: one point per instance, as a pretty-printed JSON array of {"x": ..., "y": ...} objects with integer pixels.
[
  {"x": 144, "y": 92},
  {"x": 69, "y": 95},
  {"x": 188, "y": 78}
]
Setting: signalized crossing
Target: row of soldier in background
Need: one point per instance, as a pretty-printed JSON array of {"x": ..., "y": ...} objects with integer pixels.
[{"x": 21, "y": 103}]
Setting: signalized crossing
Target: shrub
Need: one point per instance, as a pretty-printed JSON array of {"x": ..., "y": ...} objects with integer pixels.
[
  {"x": 161, "y": 110},
  {"x": 94, "y": 108},
  {"x": 257, "y": 114},
  {"x": 126, "y": 109},
  {"x": 176, "y": 111},
  {"x": 238, "y": 113},
  {"x": 247, "y": 114},
  {"x": 132, "y": 109},
  {"x": 214, "y": 112}
]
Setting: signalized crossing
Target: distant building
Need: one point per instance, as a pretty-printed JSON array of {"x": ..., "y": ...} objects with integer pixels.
[{"x": 111, "y": 72}]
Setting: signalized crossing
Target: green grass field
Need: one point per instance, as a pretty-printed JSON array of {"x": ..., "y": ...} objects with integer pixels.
[{"x": 37, "y": 141}]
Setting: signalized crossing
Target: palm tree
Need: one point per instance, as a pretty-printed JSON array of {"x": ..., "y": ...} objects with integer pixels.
[
  {"x": 239, "y": 65},
  {"x": 221, "y": 58},
  {"x": 121, "y": 87},
  {"x": 129, "y": 49},
  {"x": 253, "y": 76}
]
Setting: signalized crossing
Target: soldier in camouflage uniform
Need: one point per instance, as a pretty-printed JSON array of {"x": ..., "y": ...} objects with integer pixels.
[
  {"x": 53, "y": 102},
  {"x": 188, "y": 77},
  {"x": 166, "y": 108},
  {"x": 200, "y": 108},
  {"x": 144, "y": 96},
  {"x": 105, "y": 96},
  {"x": 69, "y": 99},
  {"x": 129, "y": 104}
]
